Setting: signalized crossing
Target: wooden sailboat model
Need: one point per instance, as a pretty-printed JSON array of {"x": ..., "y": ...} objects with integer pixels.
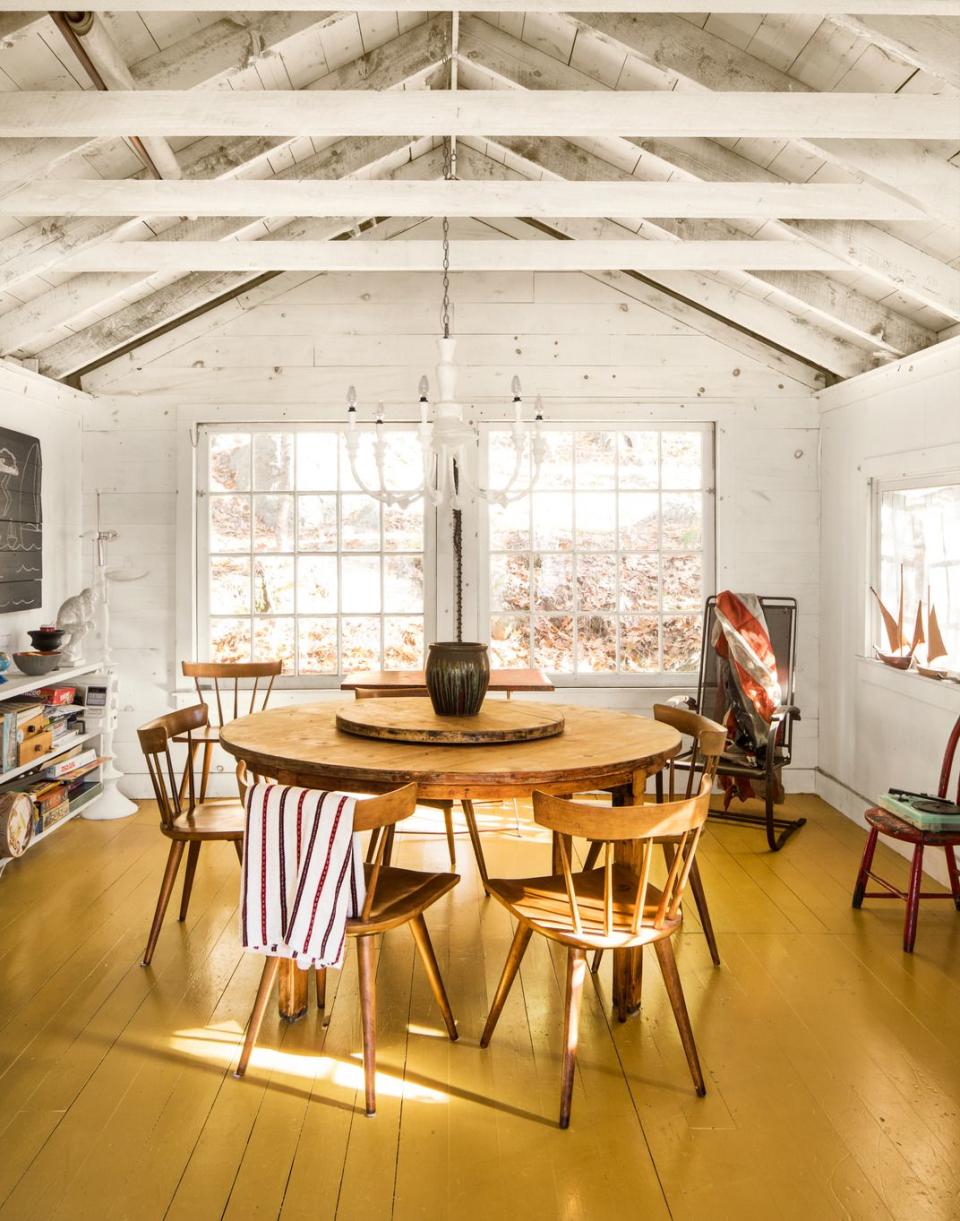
[
  {"x": 901, "y": 650},
  {"x": 936, "y": 649}
]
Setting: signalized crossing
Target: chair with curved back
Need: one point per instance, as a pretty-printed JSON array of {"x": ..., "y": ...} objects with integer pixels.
[
  {"x": 699, "y": 763},
  {"x": 394, "y": 897},
  {"x": 611, "y": 907},
  {"x": 186, "y": 819},
  {"x": 232, "y": 674},
  {"x": 431, "y": 803}
]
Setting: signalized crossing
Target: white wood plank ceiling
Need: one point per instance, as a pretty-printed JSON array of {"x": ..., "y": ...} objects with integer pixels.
[{"x": 795, "y": 173}]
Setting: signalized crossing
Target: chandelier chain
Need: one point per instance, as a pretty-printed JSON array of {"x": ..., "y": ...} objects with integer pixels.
[{"x": 447, "y": 177}]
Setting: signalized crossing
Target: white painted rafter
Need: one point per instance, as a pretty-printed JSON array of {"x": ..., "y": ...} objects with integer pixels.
[
  {"x": 166, "y": 112},
  {"x": 228, "y": 255},
  {"x": 131, "y": 197},
  {"x": 929, "y": 7}
]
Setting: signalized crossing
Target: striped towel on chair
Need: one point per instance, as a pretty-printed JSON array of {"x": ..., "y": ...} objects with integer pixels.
[{"x": 302, "y": 874}]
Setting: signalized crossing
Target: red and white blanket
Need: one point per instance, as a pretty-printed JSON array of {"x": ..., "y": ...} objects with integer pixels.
[
  {"x": 302, "y": 874},
  {"x": 749, "y": 687}
]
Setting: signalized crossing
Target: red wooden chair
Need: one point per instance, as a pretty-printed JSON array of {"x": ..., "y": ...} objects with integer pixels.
[{"x": 883, "y": 822}]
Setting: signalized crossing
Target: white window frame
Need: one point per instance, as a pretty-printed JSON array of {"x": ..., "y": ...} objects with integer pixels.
[
  {"x": 659, "y": 678},
  {"x": 878, "y": 485},
  {"x": 200, "y": 600}
]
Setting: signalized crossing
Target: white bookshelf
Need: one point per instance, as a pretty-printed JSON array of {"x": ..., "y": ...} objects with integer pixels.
[{"x": 22, "y": 685}]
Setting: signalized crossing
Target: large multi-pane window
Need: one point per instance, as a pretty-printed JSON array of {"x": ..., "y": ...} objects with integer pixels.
[
  {"x": 295, "y": 561},
  {"x": 918, "y": 534},
  {"x": 603, "y": 569}
]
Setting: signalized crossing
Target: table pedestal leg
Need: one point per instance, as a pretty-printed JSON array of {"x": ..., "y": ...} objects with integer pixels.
[
  {"x": 293, "y": 990},
  {"x": 628, "y": 964}
]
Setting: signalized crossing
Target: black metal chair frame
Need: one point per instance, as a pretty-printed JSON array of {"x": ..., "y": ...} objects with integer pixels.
[{"x": 780, "y": 753}]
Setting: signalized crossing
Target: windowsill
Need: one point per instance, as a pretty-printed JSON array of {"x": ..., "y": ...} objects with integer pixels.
[{"x": 942, "y": 693}]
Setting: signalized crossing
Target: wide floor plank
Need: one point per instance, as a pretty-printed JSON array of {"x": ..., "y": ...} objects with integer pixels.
[{"x": 831, "y": 1058}]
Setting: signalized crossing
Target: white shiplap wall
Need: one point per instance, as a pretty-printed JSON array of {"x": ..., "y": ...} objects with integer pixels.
[
  {"x": 45, "y": 409},
  {"x": 880, "y": 727},
  {"x": 592, "y": 345}
]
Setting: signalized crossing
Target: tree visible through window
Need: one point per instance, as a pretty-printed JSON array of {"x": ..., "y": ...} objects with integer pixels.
[
  {"x": 601, "y": 569},
  {"x": 303, "y": 565}
]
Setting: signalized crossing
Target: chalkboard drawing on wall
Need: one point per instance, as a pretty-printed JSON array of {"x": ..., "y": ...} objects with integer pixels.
[{"x": 21, "y": 522}]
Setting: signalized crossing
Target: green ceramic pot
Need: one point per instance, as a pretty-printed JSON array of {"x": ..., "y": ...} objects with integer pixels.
[{"x": 457, "y": 676}]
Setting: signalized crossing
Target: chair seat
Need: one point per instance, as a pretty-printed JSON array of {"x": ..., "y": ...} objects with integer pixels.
[
  {"x": 899, "y": 828},
  {"x": 206, "y": 733},
  {"x": 221, "y": 818},
  {"x": 543, "y": 903},
  {"x": 401, "y": 894}
]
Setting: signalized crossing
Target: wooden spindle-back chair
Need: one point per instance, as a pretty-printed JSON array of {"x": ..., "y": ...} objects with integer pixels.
[
  {"x": 394, "y": 897},
  {"x": 445, "y": 805},
  {"x": 231, "y": 702},
  {"x": 186, "y": 818},
  {"x": 699, "y": 762},
  {"x": 613, "y": 907}
]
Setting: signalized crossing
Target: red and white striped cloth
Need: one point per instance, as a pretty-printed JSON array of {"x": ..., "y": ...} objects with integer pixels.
[{"x": 302, "y": 874}]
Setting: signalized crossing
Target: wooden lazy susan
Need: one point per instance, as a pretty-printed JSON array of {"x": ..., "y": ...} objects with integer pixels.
[{"x": 413, "y": 720}]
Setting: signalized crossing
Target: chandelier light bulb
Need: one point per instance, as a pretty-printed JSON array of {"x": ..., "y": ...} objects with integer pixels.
[
  {"x": 424, "y": 388},
  {"x": 515, "y": 388},
  {"x": 351, "y": 398}
]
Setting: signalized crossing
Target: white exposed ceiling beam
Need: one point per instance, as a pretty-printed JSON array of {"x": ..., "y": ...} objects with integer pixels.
[
  {"x": 409, "y": 61},
  {"x": 688, "y": 58},
  {"x": 257, "y": 256},
  {"x": 131, "y": 197},
  {"x": 494, "y": 58},
  {"x": 931, "y": 7},
  {"x": 166, "y": 112}
]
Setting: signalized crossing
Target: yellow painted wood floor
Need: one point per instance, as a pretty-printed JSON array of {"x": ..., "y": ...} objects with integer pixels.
[{"x": 831, "y": 1058}]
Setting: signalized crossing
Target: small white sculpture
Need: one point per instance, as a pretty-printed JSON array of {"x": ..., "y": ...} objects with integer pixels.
[{"x": 76, "y": 617}]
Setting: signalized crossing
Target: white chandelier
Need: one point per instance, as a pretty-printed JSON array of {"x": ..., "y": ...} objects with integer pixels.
[{"x": 447, "y": 440}]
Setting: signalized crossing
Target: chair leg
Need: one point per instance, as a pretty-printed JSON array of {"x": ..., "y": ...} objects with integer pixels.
[
  {"x": 772, "y": 840},
  {"x": 671, "y": 977},
  {"x": 418, "y": 926},
  {"x": 913, "y": 900},
  {"x": 953, "y": 875},
  {"x": 597, "y": 959},
  {"x": 471, "y": 818},
  {"x": 321, "y": 982},
  {"x": 576, "y": 969},
  {"x": 866, "y": 863},
  {"x": 207, "y": 760},
  {"x": 451, "y": 842},
  {"x": 193, "y": 855},
  {"x": 270, "y": 968},
  {"x": 238, "y": 848},
  {"x": 368, "y": 1019},
  {"x": 703, "y": 911},
  {"x": 166, "y": 889},
  {"x": 521, "y": 939}
]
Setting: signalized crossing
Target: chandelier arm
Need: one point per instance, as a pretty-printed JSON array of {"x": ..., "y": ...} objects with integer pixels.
[{"x": 402, "y": 498}]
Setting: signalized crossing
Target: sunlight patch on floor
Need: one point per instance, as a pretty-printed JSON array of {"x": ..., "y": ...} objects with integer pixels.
[{"x": 221, "y": 1045}]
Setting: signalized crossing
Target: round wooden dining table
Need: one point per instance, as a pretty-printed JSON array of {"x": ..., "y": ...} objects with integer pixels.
[{"x": 599, "y": 749}]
